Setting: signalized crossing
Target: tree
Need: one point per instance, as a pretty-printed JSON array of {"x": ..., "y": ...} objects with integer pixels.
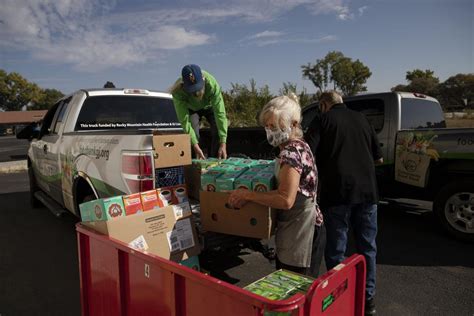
[
  {"x": 417, "y": 73},
  {"x": 303, "y": 97},
  {"x": 243, "y": 103},
  {"x": 345, "y": 75},
  {"x": 420, "y": 81},
  {"x": 48, "y": 97},
  {"x": 16, "y": 92},
  {"x": 457, "y": 91}
]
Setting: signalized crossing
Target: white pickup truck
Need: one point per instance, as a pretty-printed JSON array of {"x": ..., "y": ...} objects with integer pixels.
[{"x": 97, "y": 143}]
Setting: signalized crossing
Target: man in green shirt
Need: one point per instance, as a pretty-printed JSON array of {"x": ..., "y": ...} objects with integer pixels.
[{"x": 197, "y": 94}]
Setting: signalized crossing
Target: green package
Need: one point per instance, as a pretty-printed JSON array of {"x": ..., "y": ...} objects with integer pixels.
[
  {"x": 263, "y": 182},
  {"x": 208, "y": 180},
  {"x": 244, "y": 181},
  {"x": 102, "y": 209}
]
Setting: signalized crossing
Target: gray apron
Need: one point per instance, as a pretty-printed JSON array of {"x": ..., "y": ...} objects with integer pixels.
[{"x": 295, "y": 230}]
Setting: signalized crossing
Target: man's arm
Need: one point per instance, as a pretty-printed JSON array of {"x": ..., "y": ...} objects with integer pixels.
[
  {"x": 182, "y": 113},
  {"x": 218, "y": 108}
]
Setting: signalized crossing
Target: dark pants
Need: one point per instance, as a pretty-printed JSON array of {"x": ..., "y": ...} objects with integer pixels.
[
  {"x": 363, "y": 219},
  {"x": 319, "y": 240},
  {"x": 195, "y": 118}
]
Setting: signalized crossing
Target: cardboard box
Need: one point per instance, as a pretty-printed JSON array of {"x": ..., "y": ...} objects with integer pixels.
[
  {"x": 175, "y": 194},
  {"x": 170, "y": 150},
  {"x": 132, "y": 203},
  {"x": 192, "y": 176},
  {"x": 182, "y": 210},
  {"x": 158, "y": 231},
  {"x": 252, "y": 220},
  {"x": 102, "y": 209}
]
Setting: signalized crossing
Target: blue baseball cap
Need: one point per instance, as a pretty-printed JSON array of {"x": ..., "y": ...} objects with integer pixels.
[{"x": 192, "y": 78}]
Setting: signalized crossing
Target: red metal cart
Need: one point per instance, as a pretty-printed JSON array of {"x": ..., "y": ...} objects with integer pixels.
[{"x": 118, "y": 280}]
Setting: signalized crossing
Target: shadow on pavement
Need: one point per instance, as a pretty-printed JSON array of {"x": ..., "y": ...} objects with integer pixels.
[
  {"x": 38, "y": 260},
  {"x": 409, "y": 235}
]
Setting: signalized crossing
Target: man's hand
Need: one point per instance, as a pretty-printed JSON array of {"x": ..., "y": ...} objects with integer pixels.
[
  {"x": 198, "y": 152},
  {"x": 222, "y": 152}
]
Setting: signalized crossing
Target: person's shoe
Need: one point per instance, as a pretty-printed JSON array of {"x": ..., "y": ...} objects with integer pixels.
[{"x": 370, "y": 307}]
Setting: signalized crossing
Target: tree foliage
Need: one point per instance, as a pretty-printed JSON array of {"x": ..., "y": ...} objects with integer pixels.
[
  {"x": 456, "y": 92},
  {"x": 344, "y": 74},
  {"x": 17, "y": 93},
  {"x": 47, "y": 98}
]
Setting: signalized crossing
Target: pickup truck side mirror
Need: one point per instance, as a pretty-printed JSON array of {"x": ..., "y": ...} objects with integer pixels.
[{"x": 29, "y": 132}]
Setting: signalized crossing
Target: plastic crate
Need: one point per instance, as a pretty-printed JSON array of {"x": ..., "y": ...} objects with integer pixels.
[{"x": 118, "y": 280}]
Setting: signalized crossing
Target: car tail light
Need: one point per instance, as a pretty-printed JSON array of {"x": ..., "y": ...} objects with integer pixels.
[{"x": 137, "y": 171}]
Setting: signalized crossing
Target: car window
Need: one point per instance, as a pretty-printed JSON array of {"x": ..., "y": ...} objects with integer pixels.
[
  {"x": 309, "y": 113},
  {"x": 109, "y": 112},
  {"x": 419, "y": 113},
  {"x": 46, "y": 126},
  {"x": 58, "y": 121},
  {"x": 374, "y": 110}
]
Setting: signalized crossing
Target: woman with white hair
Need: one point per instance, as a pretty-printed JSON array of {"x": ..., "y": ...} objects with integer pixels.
[{"x": 295, "y": 196}]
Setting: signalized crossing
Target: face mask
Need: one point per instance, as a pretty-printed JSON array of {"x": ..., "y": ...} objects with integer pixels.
[{"x": 277, "y": 137}]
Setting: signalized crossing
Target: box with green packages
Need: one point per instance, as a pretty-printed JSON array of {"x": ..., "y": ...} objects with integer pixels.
[
  {"x": 233, "y": 161},
  {"x": 280, "y": 285},
  {"x": 226, "y": 181},
  {"x": 222, "y": 168},
  {"x": 102, "y": 209},
  {"x": 205, "y": 163}
]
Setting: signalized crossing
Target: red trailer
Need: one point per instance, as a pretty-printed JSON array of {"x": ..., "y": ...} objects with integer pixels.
[{"x": 118, "y": 280}]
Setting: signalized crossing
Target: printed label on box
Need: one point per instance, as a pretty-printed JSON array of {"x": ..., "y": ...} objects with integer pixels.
[
  {"x": 139, "y": 243},
  {"x": 182, "y": 210},
  {"x": 181, "y": 237}
]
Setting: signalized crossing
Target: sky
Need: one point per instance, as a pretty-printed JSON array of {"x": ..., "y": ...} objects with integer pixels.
[{"x": 73, "y": 44}]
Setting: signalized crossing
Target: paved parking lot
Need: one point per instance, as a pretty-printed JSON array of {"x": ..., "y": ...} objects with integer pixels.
[{"x": 421, "y": 271}]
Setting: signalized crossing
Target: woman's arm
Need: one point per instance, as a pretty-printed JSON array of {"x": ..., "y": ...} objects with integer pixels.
[{"x": 282, "y": 198}]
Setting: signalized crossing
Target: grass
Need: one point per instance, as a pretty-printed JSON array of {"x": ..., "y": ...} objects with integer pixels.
[{"x": 461, "y": 123}]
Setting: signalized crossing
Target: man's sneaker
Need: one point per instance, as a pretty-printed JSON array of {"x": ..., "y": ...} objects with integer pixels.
[{"x": 370, "y": 307}]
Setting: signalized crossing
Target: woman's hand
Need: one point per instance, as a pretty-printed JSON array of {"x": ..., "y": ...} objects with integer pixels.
[{"x": 238, "y": 198}]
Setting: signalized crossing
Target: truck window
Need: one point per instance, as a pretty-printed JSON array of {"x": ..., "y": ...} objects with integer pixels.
[
  {"x": 60, "y": 118},
  {"x": 419, "y": 113},
  {"x": 133, "y": 112},
  {"x": 374, "y": 110}
]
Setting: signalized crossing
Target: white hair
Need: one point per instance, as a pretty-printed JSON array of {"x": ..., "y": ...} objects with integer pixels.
[{"x": 287, "y": 111}]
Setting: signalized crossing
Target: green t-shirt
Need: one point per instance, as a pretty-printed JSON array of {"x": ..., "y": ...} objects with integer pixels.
[{"x": 183, "y": 102}]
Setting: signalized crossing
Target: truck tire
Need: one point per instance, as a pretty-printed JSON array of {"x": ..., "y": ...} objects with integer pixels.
[
  {"x": 454, "y": 209},
  {"x": 34, "y": 202}
]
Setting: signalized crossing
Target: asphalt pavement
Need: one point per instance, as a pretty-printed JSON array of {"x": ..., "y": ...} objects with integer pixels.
[
  {"x": 420, "y": 270},
  {"x": 12, "y": 149}
]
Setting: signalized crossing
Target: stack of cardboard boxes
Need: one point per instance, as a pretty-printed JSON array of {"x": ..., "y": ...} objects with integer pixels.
[{"x": 156, "y": 221}]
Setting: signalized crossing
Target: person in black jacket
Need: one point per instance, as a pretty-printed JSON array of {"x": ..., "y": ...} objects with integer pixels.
[{"x": 346, "y": 149}]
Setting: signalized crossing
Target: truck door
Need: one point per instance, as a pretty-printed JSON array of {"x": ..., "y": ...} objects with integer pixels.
[
  {"x": 377, "y": 109},
  {"x": 49, "y": 162}
]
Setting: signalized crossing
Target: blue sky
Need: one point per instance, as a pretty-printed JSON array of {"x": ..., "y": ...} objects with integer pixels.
[{"x": 73, "y": 44}]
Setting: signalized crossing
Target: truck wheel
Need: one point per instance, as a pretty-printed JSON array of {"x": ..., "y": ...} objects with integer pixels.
[
  {"x": 34, "y": 202},
  {"x": 454, "y": 209}
]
